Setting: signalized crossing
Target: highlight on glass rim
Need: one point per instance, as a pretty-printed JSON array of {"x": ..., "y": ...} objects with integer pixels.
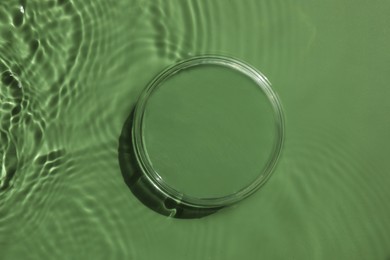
[{"x": 203, "y": 87}]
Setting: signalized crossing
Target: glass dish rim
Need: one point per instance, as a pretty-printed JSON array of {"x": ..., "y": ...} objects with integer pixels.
[{"x": 140, "y": 150}]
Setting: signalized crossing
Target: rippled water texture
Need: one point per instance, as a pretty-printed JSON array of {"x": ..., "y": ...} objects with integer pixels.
[{"x": 71, "y": 71}]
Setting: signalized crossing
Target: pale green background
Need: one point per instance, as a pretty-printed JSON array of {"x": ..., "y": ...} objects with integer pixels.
[{"x": 82, "y": 64}]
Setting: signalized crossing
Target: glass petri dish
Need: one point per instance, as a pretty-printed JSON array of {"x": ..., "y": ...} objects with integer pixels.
[{"x": 207, "y": 132}]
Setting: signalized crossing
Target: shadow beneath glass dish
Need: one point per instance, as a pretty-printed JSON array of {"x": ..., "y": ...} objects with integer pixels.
[{"x": 143, "y": 189}]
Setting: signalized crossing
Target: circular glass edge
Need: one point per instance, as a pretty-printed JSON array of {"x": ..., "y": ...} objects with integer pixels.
[{"x": 140, "y": 150}]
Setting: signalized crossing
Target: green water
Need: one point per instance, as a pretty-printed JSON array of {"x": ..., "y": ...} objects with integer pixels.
[{"x": 71, "y": 71}]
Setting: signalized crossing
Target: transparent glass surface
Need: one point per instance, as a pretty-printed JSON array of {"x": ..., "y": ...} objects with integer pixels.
[{"x": 208, "y": 131}]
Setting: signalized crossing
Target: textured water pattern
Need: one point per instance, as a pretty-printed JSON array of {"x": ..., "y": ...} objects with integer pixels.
[{"x": 71, "y": 71}]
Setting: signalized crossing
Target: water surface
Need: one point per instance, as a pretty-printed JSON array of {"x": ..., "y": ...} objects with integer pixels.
[{"x": 72, "y": 70}]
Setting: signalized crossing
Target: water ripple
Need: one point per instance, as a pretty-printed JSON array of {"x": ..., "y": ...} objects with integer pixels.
[
  {"x": 322, "y": 166},
  {"x": 70, "y": 73},
  {"x": 268, "y": 34}
]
